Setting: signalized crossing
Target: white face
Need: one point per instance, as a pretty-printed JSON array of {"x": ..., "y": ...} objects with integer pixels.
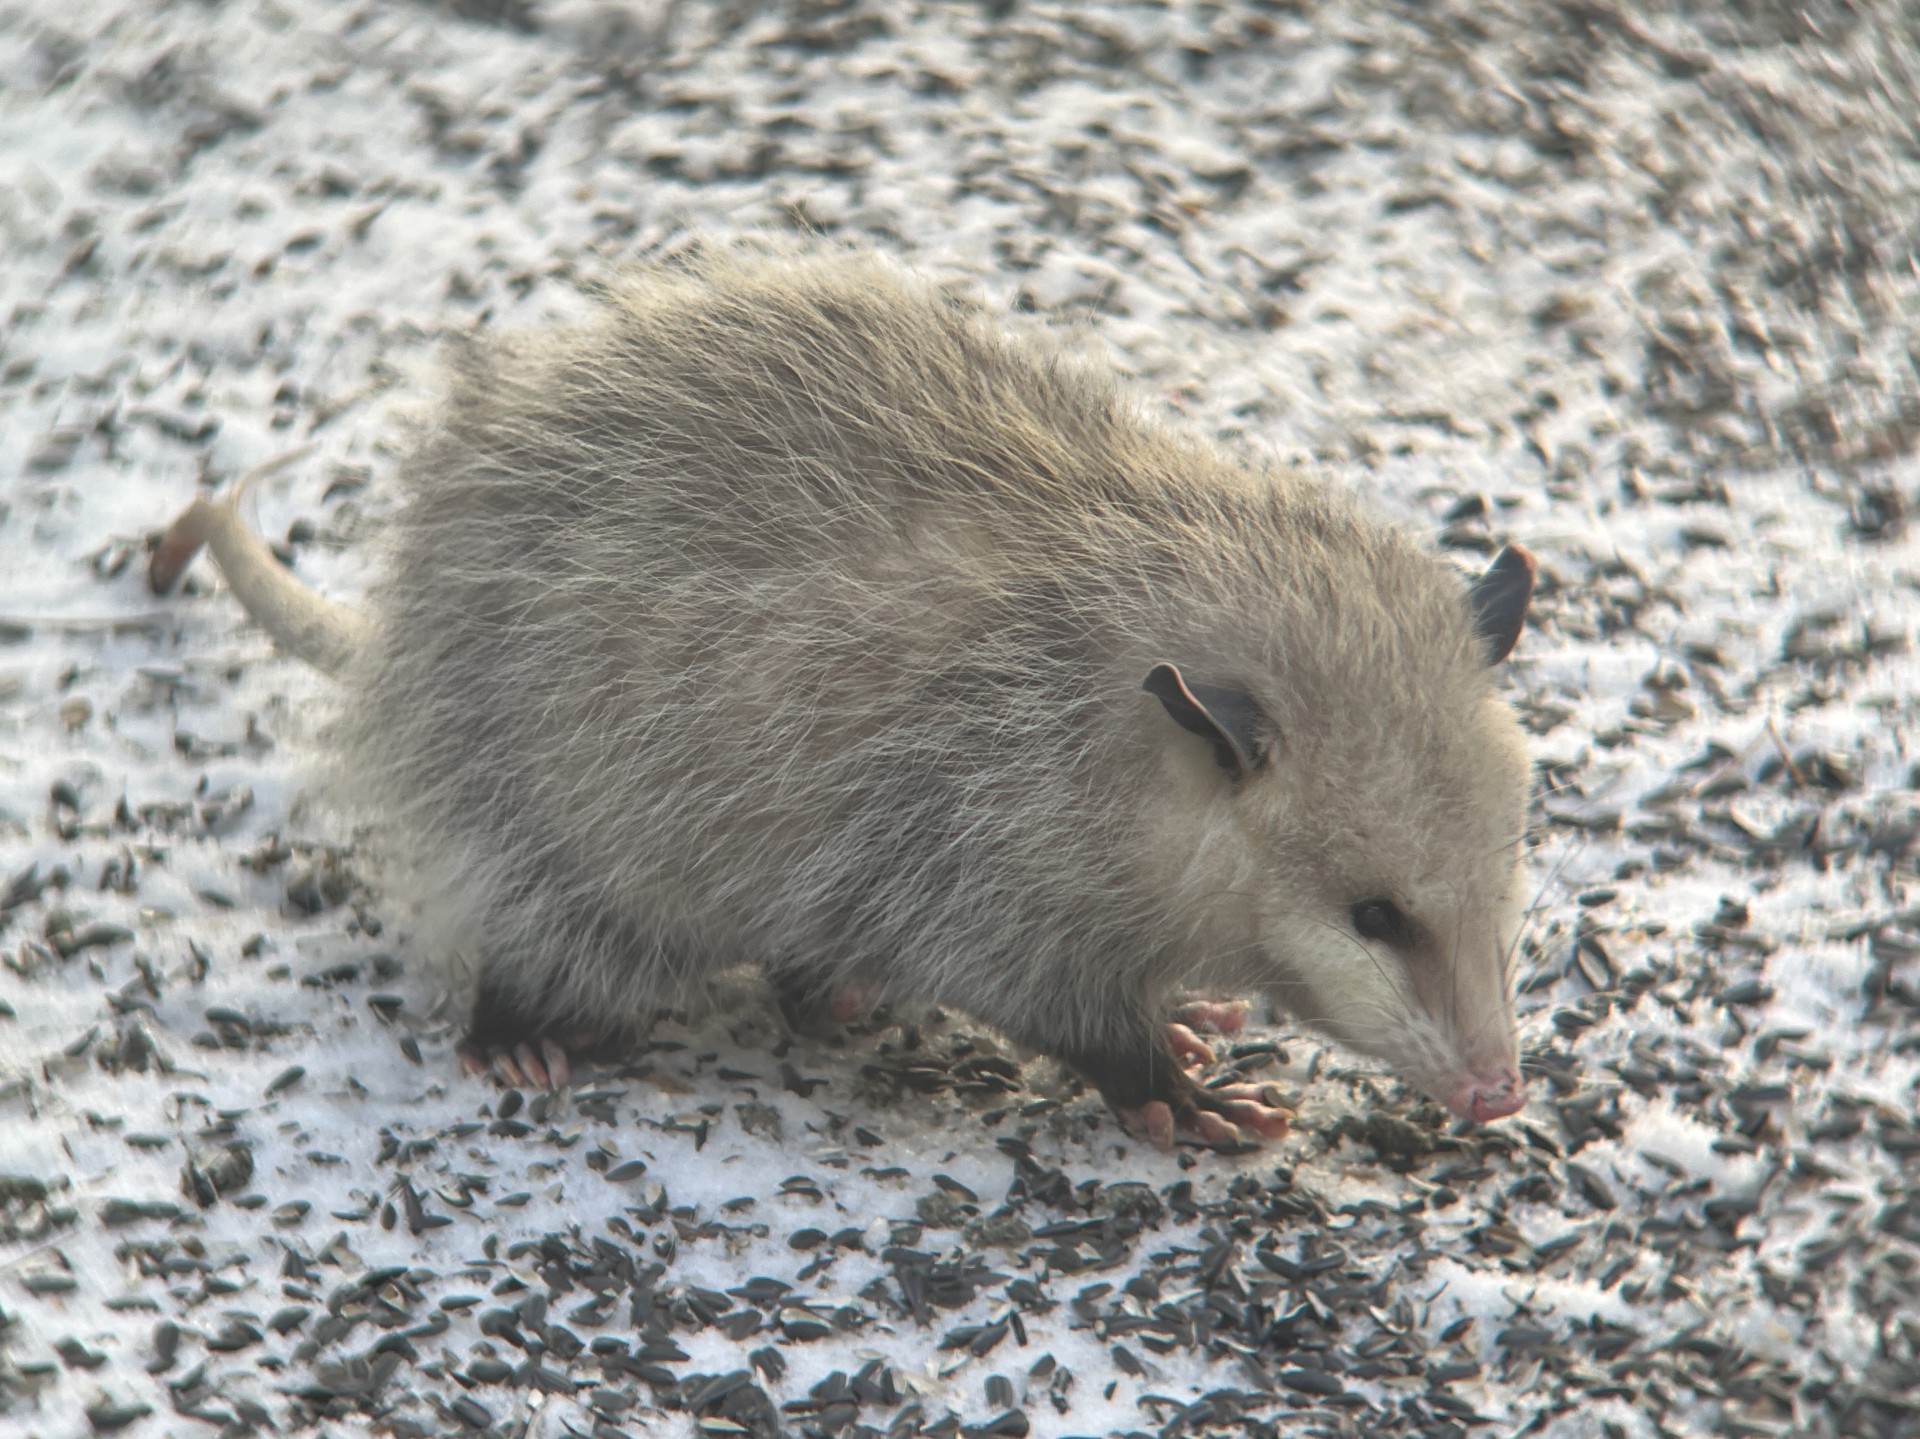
[
  {"x": 1391, "y": 905},
  {"x": 1354, "y": 850},
  {"x": 1382, "y": 895}
]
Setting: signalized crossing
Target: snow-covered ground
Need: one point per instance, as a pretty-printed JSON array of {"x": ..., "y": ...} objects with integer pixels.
[{"x": 1638, "y": 293}]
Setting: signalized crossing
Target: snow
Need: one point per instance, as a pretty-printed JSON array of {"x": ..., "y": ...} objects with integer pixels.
[{"x": 1645, "y": 285}]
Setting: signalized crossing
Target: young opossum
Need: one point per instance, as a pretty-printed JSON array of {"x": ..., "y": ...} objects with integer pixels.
[{"x": 794, "y": 613}]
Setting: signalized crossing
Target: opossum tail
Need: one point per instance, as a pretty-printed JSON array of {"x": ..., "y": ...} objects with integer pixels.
[{"x": 318, "y": 631}]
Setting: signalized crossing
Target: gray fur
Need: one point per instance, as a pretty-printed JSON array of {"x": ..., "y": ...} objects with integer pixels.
[{"x": 793, "y": 613}]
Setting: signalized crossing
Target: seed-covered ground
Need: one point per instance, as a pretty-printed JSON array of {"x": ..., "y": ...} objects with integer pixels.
[{"x": 1636, "y": 291}]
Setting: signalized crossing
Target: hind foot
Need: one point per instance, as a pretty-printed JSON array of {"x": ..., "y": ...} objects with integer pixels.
[
  {"x": 542, "y": 1061},
  {"x": 530, "y": 1064},
  {"x": 508, "y": 1040}
]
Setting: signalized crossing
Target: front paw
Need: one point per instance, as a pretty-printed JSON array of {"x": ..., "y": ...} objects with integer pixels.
[
  {"x": 1229, "y": 1116},
  {"x": 1213, "y": 1016}
]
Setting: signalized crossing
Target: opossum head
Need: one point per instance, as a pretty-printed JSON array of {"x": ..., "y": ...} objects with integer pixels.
[{"x": 1358, "y": 815}]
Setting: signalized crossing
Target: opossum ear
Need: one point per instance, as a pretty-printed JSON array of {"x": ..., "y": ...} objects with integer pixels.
[
  {"x": 1242, "y": 735},
  {"x": 1499, "y": 601}
]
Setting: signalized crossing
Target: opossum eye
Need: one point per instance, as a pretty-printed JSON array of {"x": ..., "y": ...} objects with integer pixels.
[{"x": 1381, "y": 919}]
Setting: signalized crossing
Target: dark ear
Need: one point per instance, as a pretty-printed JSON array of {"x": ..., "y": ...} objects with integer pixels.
[
  {"x": 1499, "y": 601},
  {"x": 1242, "y": 736}
]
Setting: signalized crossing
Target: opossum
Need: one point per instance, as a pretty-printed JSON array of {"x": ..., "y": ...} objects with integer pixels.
[{"x": 795, "y": 611}]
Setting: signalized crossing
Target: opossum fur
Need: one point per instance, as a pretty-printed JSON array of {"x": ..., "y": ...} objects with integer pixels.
[{"x": 792, "y": 612}]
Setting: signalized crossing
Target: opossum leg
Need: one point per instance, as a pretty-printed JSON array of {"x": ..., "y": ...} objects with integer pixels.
[{"x": 1157, "y": 1099}]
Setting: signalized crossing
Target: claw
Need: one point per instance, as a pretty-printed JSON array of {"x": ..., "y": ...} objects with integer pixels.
[
  {"x": 531, "y": 1065},
  {"x": 541, "y": 1063},
  {"x": 559, "y": 1068},
  {"x": 507, "y": 1073}
]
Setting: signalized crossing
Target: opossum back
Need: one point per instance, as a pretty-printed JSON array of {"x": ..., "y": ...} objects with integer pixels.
[{"x": 754, "y": 590}]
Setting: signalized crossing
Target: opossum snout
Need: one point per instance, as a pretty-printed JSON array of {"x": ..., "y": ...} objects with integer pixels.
[{"x": 1481, "y": 1097}]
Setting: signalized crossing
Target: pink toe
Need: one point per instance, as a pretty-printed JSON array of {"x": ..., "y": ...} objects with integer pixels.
[
  {"x": 1220, "y": 1016},
  {"x": 1264, "y": 1120},
  {"x": 1227, "y": 1018},
  {"x": 1159, "y": 1124},
  {"x": 1188, "y": 1047},
  {"x": 1216, "y": 1128}
]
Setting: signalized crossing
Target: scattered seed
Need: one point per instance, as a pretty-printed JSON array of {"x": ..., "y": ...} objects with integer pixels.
[
  {"x": 108, "y": 1416},
  {"x": 471, "y": 1412},
  {"x": 1312, "y": 1381}
]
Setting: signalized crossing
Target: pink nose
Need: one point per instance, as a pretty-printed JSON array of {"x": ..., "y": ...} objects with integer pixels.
[{"x": 1478, "y": 1099}]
